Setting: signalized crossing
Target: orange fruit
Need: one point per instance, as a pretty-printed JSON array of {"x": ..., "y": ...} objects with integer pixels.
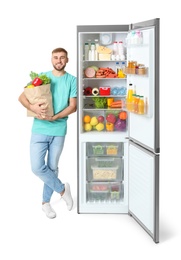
[
  {"x": 87, "y": 119},
  {"x": 123, "y": 115}
]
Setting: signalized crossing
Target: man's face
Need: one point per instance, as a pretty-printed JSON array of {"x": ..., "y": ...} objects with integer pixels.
[{"x": 59, "y": 60}]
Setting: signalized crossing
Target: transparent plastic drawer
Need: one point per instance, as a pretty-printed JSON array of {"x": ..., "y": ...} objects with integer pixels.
[
  {"x": 98, "y": 191},
  {"x": 104, "y": 169},
  {"x": 108, "y": 148},
  {"x": 93, "y": 121},
  {"x": 105, "y": 191},
  {"x": 116, "y": 191}
]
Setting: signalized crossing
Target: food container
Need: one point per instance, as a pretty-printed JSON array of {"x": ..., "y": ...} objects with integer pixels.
[
  {"x": 104, "y": 168},
  {"x": 98, "y": 149},
  {"x": 98, "y": 191},
  {"x": 104, "y": 173},
  {"x": 130, "y": 70},
  {"x": 104, "y": 91},
  {"x": 115, "y": 191},
  {"x": 112, "y": 149},
  {"x": 141, "y": 71}
]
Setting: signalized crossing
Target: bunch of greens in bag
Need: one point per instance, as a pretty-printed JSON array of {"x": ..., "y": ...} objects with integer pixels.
[{"x": 38, "y": 80}]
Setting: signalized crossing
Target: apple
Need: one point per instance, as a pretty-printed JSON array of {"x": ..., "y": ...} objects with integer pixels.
[
  {"x": 100, "y": 119},
  {"x": 111, "y": 118}
]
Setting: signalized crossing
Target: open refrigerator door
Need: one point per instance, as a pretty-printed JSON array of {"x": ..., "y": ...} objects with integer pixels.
[{"x": 144, "y": 144}]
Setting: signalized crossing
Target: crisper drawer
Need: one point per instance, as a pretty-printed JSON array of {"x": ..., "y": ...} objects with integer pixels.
[
  {"x": 105, "y": 191},
  {"x": 104, "y": 169},
  {"x": 107, "y": 148}
]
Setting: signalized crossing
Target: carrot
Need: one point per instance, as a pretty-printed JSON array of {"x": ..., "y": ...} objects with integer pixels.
[
  {"x": 117, "y": 102},
  {"x": 116, "y": 106}
]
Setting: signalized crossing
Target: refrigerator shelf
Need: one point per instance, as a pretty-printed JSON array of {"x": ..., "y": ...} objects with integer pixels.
[
  {"x": 97, "y": 61},
  {"x": 116, "y": 96},
  {"x": 92, "y": 106},
  {"x": 104, "y": 78}
]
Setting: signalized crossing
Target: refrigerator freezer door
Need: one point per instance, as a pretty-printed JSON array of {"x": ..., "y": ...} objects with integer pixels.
[
  {"x": 144, "y": 189},
  {"x": 144, "y": 129}
]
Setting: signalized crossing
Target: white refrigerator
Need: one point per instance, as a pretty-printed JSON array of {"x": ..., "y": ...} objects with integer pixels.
[{"x": 118, "y": 146}]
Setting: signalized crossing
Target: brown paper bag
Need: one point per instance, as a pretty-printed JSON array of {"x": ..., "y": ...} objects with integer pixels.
[{"x": 40, "y": 94}]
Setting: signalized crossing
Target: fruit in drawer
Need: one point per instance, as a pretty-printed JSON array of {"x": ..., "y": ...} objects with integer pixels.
[
  {"x": 111, "y": 118},
  {"x": 120, "y": 124},
  {"x": 99, "y": 187},
  {"x": 123, "y": 115},
  {"x": 87, "y": 127},
  {"x": 99, "y": 126},
  {"x": 109, "y": 127},
  {"x": 94, "y": 121},
  {"x": 100, "y": 119},
  {"x": 87, "y": 119}
]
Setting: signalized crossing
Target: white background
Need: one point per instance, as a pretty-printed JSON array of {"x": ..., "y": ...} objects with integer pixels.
[{"x": 29, "y": 30}]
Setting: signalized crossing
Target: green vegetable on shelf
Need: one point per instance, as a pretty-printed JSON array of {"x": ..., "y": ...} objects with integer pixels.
[{"x": 100, "y": 102}]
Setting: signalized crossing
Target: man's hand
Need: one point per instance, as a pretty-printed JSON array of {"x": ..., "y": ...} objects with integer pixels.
[
  {"x": 45, "y": 117},
  {"x": 39, "y": 109}
]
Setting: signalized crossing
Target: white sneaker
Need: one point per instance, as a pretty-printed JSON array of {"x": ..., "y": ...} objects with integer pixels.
[
  {"x": 68, "y": 197},
  {"x": 50, "y": 213}
]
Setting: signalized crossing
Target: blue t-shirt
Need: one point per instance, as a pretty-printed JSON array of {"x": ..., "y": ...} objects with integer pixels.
[{"x": 62, "y": 88}]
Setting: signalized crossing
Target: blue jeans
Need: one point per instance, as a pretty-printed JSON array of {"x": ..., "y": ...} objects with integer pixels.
[{"x": 45, "y": 153}]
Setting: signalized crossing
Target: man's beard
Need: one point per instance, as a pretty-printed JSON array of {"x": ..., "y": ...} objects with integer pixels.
[{"x": 59, "y": 69}]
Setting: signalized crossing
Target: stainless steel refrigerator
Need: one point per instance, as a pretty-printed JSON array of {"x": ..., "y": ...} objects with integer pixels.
[{"x": 118, "y": 147}]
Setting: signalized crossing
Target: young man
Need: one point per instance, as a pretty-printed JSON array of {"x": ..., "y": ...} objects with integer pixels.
[{"x": 48, "y": 132}]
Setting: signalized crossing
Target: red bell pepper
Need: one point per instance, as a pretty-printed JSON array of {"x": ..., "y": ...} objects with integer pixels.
[{"x": 37, "y": 82}]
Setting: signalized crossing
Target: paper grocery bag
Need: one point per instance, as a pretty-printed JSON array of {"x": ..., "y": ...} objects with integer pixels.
[{"x": 40, "y": 94}]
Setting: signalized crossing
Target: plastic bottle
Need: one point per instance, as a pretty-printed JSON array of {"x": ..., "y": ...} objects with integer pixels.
[
  {"x": 96, "y": 43},
  {"x": 115, "y": 48},
  {"x": 121, "y": 50},
  {"x": 93, "y": 51},
  {"x": 139, "y": 37},
  {"x": 133, "y": 103},
  {"x": 96, "y": 48},
  {"x": 129, "y": 98},
  {"x": 86, "y": 51},
  {"x": 122, "y": 71},
  {"x": 89, "y": 42},
  {"x": 136, "y": 100},
  {"x": 141, "y": 106},
  {"x": 117, "y": 68},
  {"x": 90, "y": 55}
]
